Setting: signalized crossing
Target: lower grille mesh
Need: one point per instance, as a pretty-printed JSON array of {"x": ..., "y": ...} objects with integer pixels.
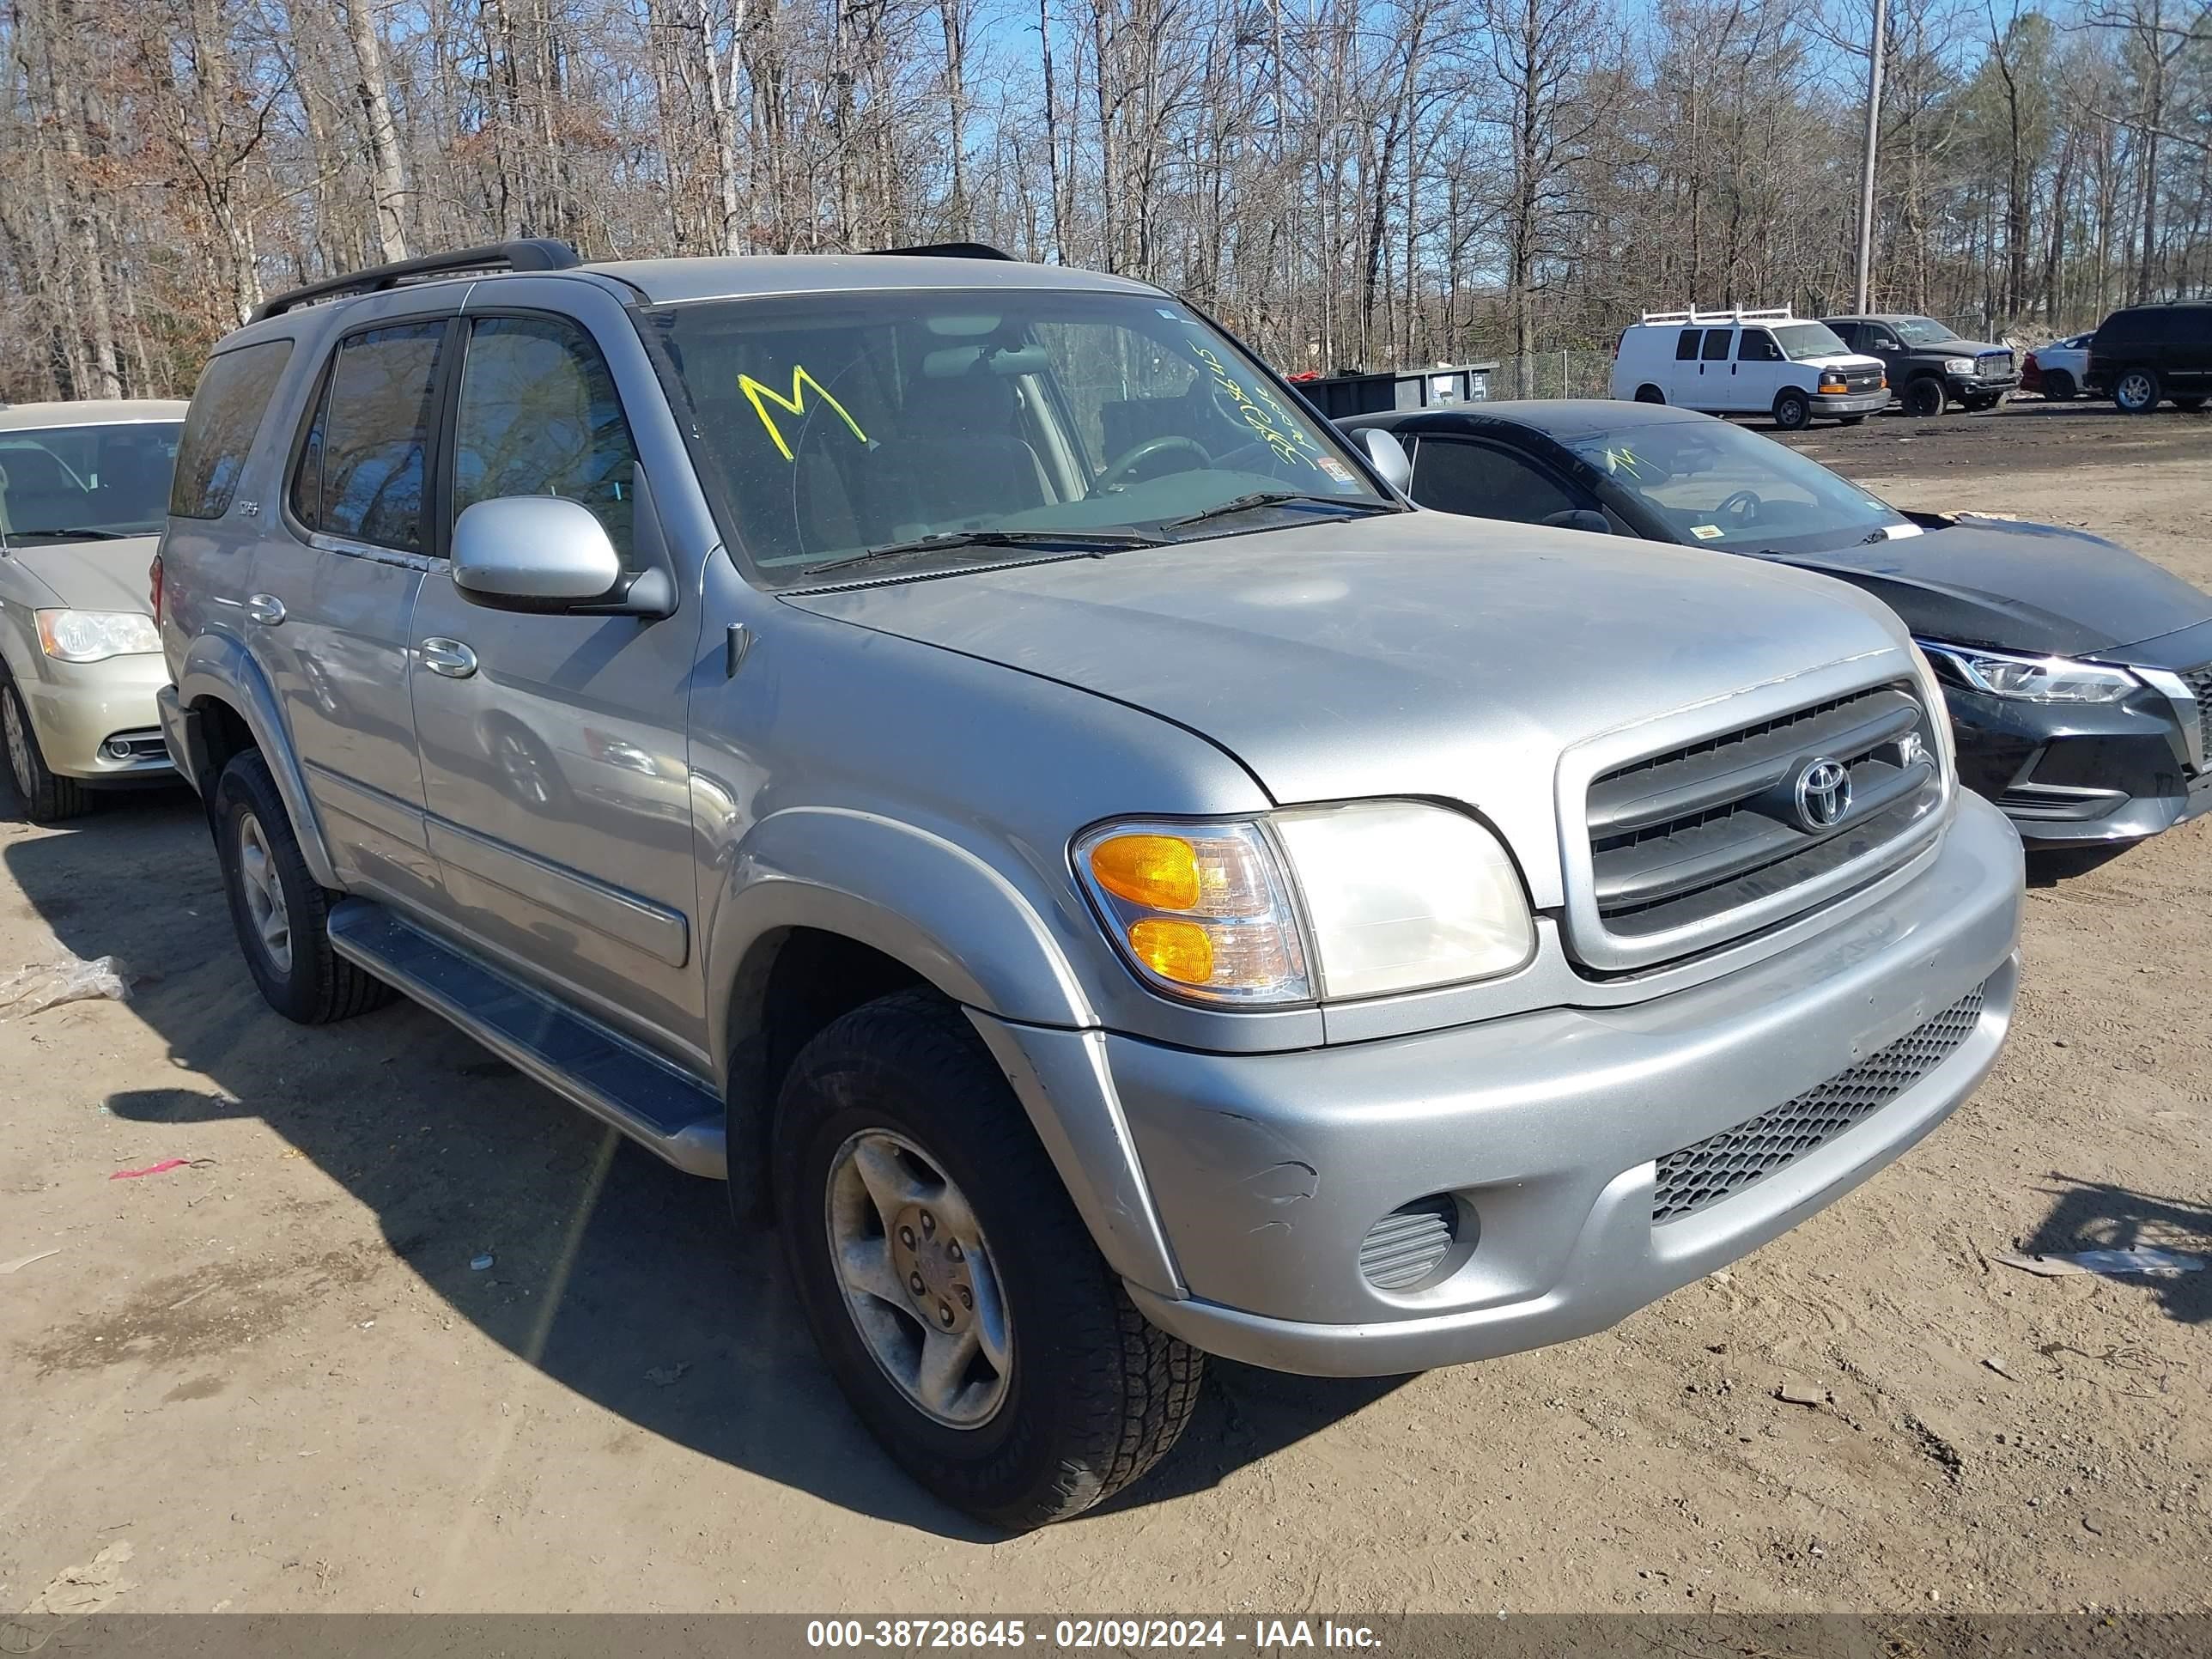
[
  {"x": 2199, "y": 680},
  {"x": 1722, "y": 1165}
]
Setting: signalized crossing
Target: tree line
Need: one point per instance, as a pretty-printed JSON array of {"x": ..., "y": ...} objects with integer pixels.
[{"x": 1344, "y": 182}]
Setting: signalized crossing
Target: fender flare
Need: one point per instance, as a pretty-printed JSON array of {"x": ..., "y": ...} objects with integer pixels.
[{"x": 219, "y": 669}]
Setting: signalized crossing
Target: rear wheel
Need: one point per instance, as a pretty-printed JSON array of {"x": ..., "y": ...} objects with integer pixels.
[
  {"x": 2136, "y": 390},
  {"x": 45, "y": 796},
  {"x": 2058, "y": 386},
  {"x": 1793, "y": 410},
  {"x": 953, "y": 1290},
  {"x": 1924, "y": 397},
  {"x": 1647, "y": 393},
  {"x": 281, "y": 912}
]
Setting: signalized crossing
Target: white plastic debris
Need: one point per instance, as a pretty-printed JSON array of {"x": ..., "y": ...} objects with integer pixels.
[
  {"x": 2137, "y": 1259},
  {"x": 40, "y": 985}
]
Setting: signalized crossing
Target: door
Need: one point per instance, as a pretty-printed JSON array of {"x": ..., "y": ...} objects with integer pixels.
[
  {"x": 1715, "y": 371},
  {"x": 553, "y": 746},
  {"x": 331, "y": 593},
  {"x": 1880, "y": 340},
  {"x": 1487, "y": 481},
  {"x": 1761, "y": 370}
]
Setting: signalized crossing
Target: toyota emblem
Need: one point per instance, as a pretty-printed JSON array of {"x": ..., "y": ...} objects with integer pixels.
[{"x": 1823, "y": 794}]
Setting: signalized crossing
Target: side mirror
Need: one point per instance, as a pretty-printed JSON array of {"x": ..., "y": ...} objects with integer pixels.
[
  {"x": 534, "y": 553},
  {"x": 1389, "y": 457},
  {"x": 1581, "y": 518}
]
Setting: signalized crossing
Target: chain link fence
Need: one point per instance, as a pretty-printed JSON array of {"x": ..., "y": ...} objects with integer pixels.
[{"x": 1565, "y": 373}]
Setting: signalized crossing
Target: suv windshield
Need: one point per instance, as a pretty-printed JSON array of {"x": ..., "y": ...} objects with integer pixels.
[
  {"x": 1710, "y": 483},
  {"x": 1924, "y": 330},
  {"x": 949, "y": 424},
  {"x": 1802, "y": 342},
  {"x": 85, "y": 483}
]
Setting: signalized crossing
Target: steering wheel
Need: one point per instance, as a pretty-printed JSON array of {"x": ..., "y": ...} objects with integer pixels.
[
  {"x": 1741, "y": 505},
  {"x": 1129, "y": 459}
]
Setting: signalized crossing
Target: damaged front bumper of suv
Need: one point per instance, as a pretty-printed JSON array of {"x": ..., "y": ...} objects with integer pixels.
[{"x": 1371, "y": 1208}]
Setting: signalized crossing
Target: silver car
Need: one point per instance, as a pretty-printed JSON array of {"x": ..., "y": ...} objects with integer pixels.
[
  {"x": 84, "y": 489},
  {"x": 957, "y": 749}
]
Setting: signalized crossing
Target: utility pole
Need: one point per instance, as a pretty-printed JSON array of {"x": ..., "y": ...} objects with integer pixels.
[{"x": 1865, "y": 167}]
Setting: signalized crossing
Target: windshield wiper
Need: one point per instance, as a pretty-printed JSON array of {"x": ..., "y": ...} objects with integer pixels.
[
  {"x": 1071, "y": 541},
  {"x": 1260, "y": 498},
  {"x": 20, "y": 537}
]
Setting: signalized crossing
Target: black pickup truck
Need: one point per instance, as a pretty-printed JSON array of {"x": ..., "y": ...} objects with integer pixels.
[{"x": 1930, "y": 366}]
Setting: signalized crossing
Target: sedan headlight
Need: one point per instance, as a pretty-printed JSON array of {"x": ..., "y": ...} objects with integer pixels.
[
  {"x": 1330, "y": 901},
  {"x": 96, "y": 636},
  {"x": 2032, "y": 679},
  {"x": 1957, "y": 365}
]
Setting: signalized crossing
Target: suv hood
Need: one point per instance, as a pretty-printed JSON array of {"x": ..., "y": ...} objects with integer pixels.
[
  {"x": 1841, "y": 360},
  {"x": 93, "y": 576},
  {"x": 2017, "y": 586},
  {"x": 1412, "y": 653}
]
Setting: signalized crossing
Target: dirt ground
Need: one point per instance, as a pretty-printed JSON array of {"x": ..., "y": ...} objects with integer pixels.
[{"x": 271, "y": 1379}]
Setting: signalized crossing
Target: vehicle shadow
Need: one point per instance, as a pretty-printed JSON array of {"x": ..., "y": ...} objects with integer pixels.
[
  {"x": 2096, "y": 1215},
  {"x": 2049, "y": 866},
  {"x": 618, "y": 1277}
]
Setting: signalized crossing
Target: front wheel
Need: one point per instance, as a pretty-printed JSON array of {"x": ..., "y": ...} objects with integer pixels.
[
  {"x": 1793, "y": 411},
  {"x": 1924, "y": 397},
  {"x": 45, "y": 796},
  {"x": 2137, "y": 392},
  {"x": 953, "y": 1290}
]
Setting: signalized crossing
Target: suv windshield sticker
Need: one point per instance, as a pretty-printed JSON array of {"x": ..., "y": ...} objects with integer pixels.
[
  {"x": 1707, "y": 532},
  {"x": 761, "y": 396},
  {"x": 1269, "y": 421}
]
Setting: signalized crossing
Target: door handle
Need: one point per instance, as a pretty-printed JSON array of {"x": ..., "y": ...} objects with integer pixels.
[
  {"x": 447, "y": 656},
  {"x": 265, "y": 608}
]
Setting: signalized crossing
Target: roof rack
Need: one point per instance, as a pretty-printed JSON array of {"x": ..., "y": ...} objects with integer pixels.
[
  {"x": 1730, "y": 314},
  {"x": 535, "y": 253},
  {"x": 950, "y": 250}
]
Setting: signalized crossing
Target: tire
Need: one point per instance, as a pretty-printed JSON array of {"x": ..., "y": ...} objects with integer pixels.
[
  {"x": 305, "y": 980},
  {"x": 44, "y": 794},
  {"x": 1090, "y": 1396},
  {"x": 2058, "y": 386},
  {"x": 1925, "y": 398},
  {"x": 1647, "y": 393},
  {"x": 1852, "y": 420},
  {"x": 1793, "y": 410},
  {"x": 2136, "y": 390}
]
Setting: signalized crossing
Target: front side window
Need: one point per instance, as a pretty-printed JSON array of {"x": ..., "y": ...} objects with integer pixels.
[
  {"x": 360, "y": 470},
  {"x": 226, "y": 413},
  {"x": 1454, "y": 475},
  {"x": 839, "y": 425},
  {"x": 538, "y": 416},
  {"x": 1717, "y": 342},
  {"x": 85, "y": 483},
  {"x": 1709, "y": 483},
  {"x": 1757, "y": 346}
]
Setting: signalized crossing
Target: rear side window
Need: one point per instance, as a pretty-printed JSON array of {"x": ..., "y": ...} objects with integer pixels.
[
  {"x": 1457, "y": 476},
  {"x": 1717, "y": 341},
  {"x": 361, "y": 468},
  {"x": 228, "y": 405},
  {"x": 1685, "y": 344}
]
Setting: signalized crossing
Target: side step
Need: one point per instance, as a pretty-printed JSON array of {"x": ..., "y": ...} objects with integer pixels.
[{"x": 579, "y": 1060}]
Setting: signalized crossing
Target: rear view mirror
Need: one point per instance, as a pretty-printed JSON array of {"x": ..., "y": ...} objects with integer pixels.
[
  {"x": 1389, "y": 457},
  {"x": 1581, "y": 518},
  {"x": 534, "y": 553}
]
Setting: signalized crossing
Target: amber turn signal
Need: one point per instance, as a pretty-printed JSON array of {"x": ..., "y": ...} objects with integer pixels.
[{"x": 1157, "y": 872}]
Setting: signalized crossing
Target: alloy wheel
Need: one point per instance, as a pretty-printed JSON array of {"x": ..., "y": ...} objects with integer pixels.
[
  {"x": 264, "y": 894},
  {"x": 19, "y": 743},
  {"x": 918, "y": 1279}
]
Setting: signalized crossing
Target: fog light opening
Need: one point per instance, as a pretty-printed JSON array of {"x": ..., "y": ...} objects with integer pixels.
[{"x": 1419, "y": 1244}]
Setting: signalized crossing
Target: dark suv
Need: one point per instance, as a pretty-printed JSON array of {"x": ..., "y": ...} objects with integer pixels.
[
  {"x": 2147, "y": 354},
  {"x": 1930, "y": 366}
]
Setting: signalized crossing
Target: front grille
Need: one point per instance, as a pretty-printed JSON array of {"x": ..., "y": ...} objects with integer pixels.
[
  {"x": 1991, "y": 364},
  {"x": 1722, "y": 1165},
  {"x": 1862, "y": 380},
  {"x": 1684, "y": 837},
  {"x": 2199, "y": 681}
]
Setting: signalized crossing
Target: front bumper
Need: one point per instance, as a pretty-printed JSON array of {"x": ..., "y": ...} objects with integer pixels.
[
  {"x": 1266, "y": 1171},
  {"x": 1831, "y": 404},
  {"x": 77, "y": 708},
  {"x": 1977, "y": 388},
  {"x": 2080, "y": 774}
]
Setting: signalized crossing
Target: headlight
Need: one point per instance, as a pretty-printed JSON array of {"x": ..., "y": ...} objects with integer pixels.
[
  {"x": 96, "y": 636},
  {"x": 1334, "y": 902},
  {"x": 1957, "y": 365},
  {"x": 2033, "y": 679}
]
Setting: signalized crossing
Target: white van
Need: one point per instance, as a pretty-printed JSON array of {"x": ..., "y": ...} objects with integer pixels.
[{"x": 1748, "y": 362}]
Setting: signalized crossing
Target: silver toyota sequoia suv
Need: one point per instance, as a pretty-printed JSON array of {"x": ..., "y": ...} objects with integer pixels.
[{"x": 959, "y": 750}]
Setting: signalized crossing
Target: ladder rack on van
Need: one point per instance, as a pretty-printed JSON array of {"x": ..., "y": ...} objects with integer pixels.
[{"x": 1731, "y": 314}]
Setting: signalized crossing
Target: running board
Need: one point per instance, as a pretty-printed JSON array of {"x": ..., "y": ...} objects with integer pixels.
[{"x": 579, "y": 1060}]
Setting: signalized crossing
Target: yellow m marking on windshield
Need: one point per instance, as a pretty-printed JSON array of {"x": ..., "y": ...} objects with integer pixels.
[{"x": 762, "y": 396}]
